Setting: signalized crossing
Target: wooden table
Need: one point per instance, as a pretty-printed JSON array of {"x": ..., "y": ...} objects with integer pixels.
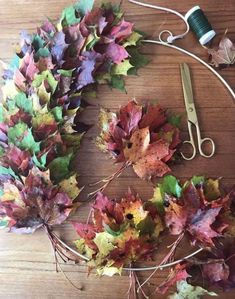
[{"x": 27, "y": 268}]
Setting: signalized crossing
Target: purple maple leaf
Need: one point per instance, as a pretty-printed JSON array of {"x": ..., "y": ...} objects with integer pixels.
[
  {"x": 116, "y": 53},
  {"x": 59, "y": 46},
  {"x": 88, "y": 65}
]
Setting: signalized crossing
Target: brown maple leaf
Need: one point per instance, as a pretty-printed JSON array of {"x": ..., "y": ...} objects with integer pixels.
[
  {"x": 146, "y": 158},
  {"x": 224, "y": 54}
]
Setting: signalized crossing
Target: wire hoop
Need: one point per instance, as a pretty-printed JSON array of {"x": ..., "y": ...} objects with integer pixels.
[{"x": 225, "y": 83}]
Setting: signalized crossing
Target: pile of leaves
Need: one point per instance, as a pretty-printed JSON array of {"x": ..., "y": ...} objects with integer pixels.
[
  {"x": 121, "y": 232},
  {"x": 130, "y": 230},
  {"x": 141, "y": 136},
  {"x": 43, "y": 88}
]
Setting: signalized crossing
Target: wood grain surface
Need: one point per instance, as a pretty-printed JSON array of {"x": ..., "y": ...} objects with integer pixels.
[{"x": 27, "y": 268}]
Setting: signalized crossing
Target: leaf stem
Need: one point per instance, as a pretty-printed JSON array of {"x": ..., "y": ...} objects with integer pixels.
[
  {"x": 108, "y": 180},
  {"x": 166, "y": 258}
]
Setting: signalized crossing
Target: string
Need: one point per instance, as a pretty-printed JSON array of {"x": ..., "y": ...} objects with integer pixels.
[
  {"x": 171, "y": 38},
  {"x": 196, "y": 58}
]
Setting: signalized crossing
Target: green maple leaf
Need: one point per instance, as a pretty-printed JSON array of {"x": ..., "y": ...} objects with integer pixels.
[
  {"x": 66, "y": 73},
  {"x": 16, "y": 132},
  {"x": 132, "y": 39},
  {"x": 43, "y": 95},
  {"x": 38, "y": 42},
  {"x": 28, "y": 143},
  {"x": 23, "y": 102},
  {"x": 15, "y": 62},
  {"x": 4, "y": 222},
  {"x": 69, "y": 16},
  {"x": 41, "y": 162},
  {"x": 122, "y": 68},
  {"x": 84, "y": 6},
  {"x": 118, "y": 83},
  {"x": 146, "y": 226},
  {"x": 42, "y": 52},
  {"x": 83, "y": 248},
  {"x": 175, "y": 120},
  {"x": 57, "y": 113},
  {"x": 70, "y": 187},
  {"x": 158, "y": 200},
  {"x": 21, "y": 136},
  {"x": 43, "y": 118},
  {"x": 2, "y": 151},
  {"x": 2, "y": 114},
  {"x": 104, "y": 243},
  {"x": 72, "y": 140},
  {"x": 59, "y": 168},
  {"x": 136, "y": 59},
  {"x": 170, "y": 185},
  {"x": 197, "y": 180},
  {"x": 7, "y": 171},
  {"x": 45, "y": 76}
]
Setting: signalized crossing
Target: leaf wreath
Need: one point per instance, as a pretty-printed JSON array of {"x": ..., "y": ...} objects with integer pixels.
[{"x": 44, "y": 85}]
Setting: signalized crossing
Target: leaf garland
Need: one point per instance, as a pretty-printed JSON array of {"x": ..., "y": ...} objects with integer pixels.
[{"x": 43, "y": 87}]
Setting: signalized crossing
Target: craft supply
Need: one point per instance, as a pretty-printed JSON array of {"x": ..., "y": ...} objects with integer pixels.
[
  {"x": 200, "y": 25},
  {"x": 192, "y": 116},
  {"x": 171, "y": 37}
]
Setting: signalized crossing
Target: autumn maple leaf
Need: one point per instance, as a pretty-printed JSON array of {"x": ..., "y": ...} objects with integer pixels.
[{"x": 224, "y": 54}]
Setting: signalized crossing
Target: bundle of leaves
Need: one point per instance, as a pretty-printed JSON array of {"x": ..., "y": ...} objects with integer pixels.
[
  {"x": 28, "y": 203},
  {"x": 121, "y": 233},
  {"x": 193, "y": 208},
  {"x": 141, "y": 136}
]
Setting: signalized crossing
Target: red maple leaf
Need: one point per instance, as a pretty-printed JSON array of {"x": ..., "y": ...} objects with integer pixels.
[{"x": 192, "y": 213}]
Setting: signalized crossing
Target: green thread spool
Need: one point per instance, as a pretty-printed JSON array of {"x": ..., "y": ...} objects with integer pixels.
[{"x": 200, "y": 25}]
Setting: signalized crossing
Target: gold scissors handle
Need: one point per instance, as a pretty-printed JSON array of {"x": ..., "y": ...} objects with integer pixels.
[
  {"x": 192, "y": 116},
  {"x": 200, "y": 143}
]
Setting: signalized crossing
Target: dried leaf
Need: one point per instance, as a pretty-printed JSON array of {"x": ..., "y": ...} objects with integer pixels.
[{"x": 223, "y": 55}]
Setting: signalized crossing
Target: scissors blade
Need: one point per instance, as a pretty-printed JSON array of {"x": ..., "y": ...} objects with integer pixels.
[{"x": 188, "y": 93}]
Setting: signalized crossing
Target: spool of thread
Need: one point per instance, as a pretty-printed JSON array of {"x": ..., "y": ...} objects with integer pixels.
[{"x": 200, "y": 25}]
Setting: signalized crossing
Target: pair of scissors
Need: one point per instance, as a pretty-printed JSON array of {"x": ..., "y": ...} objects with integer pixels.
[{"x": 192, "y": 116}]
